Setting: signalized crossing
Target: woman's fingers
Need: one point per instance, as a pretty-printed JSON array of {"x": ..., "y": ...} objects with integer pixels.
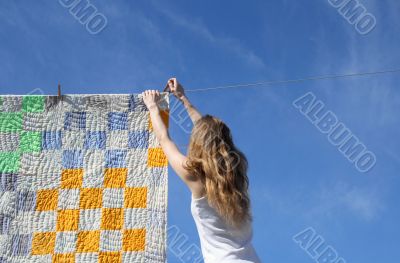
[
  {"x": 153, "y": 93},
  {"x": 171, "y": 84}
]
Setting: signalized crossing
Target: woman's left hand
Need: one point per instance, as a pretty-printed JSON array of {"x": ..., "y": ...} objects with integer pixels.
[{"x": 150, "y": 98}]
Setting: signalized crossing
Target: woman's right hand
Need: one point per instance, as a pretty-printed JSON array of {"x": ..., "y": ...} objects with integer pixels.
[{"x": 176, "y": 88}]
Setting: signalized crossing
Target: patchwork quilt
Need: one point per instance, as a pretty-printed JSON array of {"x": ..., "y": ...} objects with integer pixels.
[{"x": 82, "y": 179}]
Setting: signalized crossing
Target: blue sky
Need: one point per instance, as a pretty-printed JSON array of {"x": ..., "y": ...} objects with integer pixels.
[{"x": 298, "y": 179}]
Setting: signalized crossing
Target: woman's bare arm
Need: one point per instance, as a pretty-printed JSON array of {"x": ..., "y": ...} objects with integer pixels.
[
  {"x": 174, "y": 156},
  {"x": 177, "y": 89}
]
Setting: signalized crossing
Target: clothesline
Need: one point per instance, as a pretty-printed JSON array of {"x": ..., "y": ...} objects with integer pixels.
[
  {"x": 268, "y": 83},
  {"x": 313, "y": 78}
]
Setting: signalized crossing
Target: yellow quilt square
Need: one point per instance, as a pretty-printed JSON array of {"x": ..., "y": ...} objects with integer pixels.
[
  {"x": 135, "y": 197},
  {"x": 107, "y": 257},
  {"x": 112, "y": 218},
  {"x": 71, "y": 178},
  {"x": 164, "y": 117},
  {"x": 43, "y": 243},
  {"x": 67, "y": 220},
  {"x": 134, "y": 240},
  {"x": 156, "y": 158},
  {"x": 115, "y": 177},
  {"x": 64, "y": 258},
  {"x": 91, "y": 198},
  {"x": 88, "y": 241},
  {"x": 47, "y": 200}
]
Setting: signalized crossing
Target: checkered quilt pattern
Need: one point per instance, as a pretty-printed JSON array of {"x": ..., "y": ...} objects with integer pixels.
[{"x": 82, "y": 179}]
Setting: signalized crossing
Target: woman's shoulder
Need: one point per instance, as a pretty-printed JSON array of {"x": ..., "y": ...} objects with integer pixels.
[{"x": 197, "y": 189}]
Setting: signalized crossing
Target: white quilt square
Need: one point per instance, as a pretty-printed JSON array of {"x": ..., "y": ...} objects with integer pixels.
[
  {"x": 153, "y": 141},
  {"x": 73, "y": 139},
  {"x": 47, "y": 181},
  {"x": 87, "y": 257},
  {"x": 110, "y": 240},
  {"x": 50, "y": 162},
  {"x": 45, "y": 221},
  {"x": 135, "y": 218},
  {"x": 97, "y": 121},
  {"x": 113, "y": 197},
  {"x": 138, "y": 120},
  {"x": 136, "y": 156},
  {"x": 137, "y": 175},
  {"x": 68, "y": 199},
  {"x": 23, "y": 223},
  {"x": 89, "y": 219},
  {"x": 65, "y": 242},
  {"x": 133, "y": 257},
  {"x": 117, "y": 140},
  {"x": 30, "y": 163}
]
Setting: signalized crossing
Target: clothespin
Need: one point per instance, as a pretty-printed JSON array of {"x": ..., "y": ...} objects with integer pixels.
[
  {"x": 167, "y": 88},
  {"x": 59, "y": 91}
]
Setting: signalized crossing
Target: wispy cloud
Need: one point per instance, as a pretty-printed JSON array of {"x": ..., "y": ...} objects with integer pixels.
[
  {"x": 327, "y": 201},
  {"x": 362, "y": 202},
  {"x": 197, "y": 27}
]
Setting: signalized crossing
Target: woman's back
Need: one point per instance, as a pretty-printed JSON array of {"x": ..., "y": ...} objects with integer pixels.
[
  {"x": 215, "y": 166},
  {"x": 220, "y": 242}
]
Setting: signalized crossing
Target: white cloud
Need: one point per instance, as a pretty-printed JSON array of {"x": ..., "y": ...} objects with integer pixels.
[
  {"x": 197, "y": 27},
  {"x": 327, "y": 202},
  {"x": 362, "y": 202}
]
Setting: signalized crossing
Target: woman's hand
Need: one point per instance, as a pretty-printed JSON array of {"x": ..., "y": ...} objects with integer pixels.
[
  {"x": 150, "y": 98},
  {"x": 175, "y": 87}
]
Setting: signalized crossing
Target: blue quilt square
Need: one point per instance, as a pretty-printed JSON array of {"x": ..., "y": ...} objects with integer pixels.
[
  {"x": 118, "y": 121},
  {"x": 51, "y": 140},
  {"x": 21, "y": 244},
  {"x": 75, "y": 120},
  {"x": 72, "y": 159},
  {"x": 138, "y": 139},
  {"x": 116, "y": 158},
  {"x": 7, "y": 182},
  {"x": 95, "y": 140},
  {"x": 5, "y": 223},
  {"x": 26, "y": 200},
  {"x": 136, "y": 104}
]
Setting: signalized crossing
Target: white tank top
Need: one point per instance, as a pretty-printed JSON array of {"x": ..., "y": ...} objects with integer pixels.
[{"x": 219, "y": 242}]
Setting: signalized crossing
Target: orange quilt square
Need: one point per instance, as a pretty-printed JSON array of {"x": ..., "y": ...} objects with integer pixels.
[
  {"x": 68, "y": 220},
  {"x": 43, "y": 243},
  {"x": 91, "y": 198},
  {"x": 112, "y": 218},
  {"x": 164, "y": 117},
  {"x": 156, "y": 158},
  {"x": 115, "y": 177},
  {"x": 47, "y": 200},
  {"x": 107, "y": 257},
  {"x": 134, "y": 240},
  {"x": 64, "y": 258},
  {"x": 88, "y": 241},
  {"x": 71, "y": 178},
  {"x": 135, "y": 197}
]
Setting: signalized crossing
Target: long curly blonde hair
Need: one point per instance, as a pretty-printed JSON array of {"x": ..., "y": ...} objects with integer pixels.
[{"x": 222, "y": 168}]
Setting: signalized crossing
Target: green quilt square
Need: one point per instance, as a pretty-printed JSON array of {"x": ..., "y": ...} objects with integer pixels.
[
  {"x": 9, "y": 162},
  {"x": 33, "y": 104},
  {"x": 30, "y": 141},
  {"x": 10, "y": 121}
]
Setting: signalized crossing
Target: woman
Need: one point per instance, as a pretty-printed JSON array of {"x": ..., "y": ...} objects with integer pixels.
[{"x": 215, "y": 172}]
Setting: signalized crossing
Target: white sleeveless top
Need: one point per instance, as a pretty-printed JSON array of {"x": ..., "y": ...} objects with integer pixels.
[{"x": 219, "y": 242}]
